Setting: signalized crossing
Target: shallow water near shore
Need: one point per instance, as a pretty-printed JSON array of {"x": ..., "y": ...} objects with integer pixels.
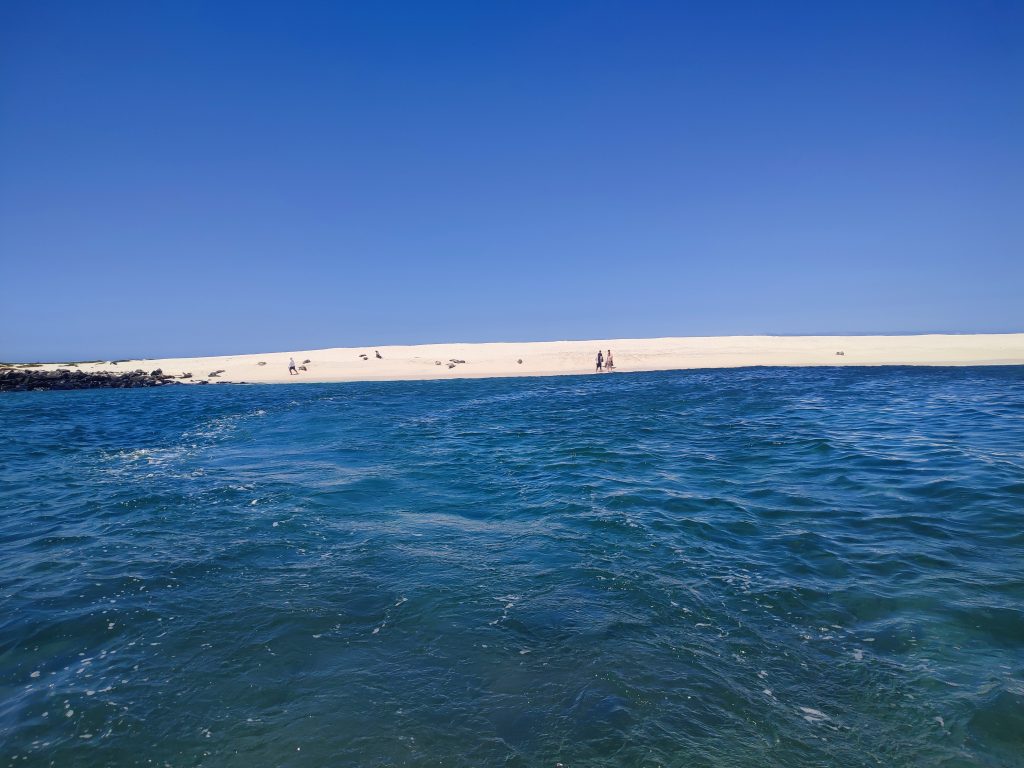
[{"x": 756, "y": 567}]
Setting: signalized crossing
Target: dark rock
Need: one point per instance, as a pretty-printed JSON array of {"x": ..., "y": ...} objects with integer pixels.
[
  {"x": 261, "y": 363},
  {"x": 157, "y": 372},
  {"x": 520, "y": 361},
  {"x": 302, "y": 367},
  {"x": 186, "y": 375},
  {"x": 20, "y": 380},
  {"x": 305, "y": 361}
]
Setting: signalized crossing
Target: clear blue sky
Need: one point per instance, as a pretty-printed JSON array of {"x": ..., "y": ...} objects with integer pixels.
[{"x": 215, "y": 177}]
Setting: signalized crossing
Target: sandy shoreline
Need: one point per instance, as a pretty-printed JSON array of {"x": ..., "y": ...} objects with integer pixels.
[{"x": 550, "y": 358}]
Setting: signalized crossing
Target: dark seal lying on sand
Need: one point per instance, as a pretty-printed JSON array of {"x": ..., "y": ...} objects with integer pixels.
[{"x": 28, "y": 379}]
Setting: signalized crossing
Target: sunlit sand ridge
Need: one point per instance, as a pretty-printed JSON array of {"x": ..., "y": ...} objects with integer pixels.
[{"x": 450, "y": 361}]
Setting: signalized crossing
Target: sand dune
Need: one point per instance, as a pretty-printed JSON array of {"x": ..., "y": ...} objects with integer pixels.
[{"x": 434, "y": 361}]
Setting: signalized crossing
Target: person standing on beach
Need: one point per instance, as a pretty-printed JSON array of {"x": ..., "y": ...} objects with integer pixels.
[
  {"x": 608, "y": 364},
  {"x": 600, "y": 360},
  {"x": 291, "y": 367}
]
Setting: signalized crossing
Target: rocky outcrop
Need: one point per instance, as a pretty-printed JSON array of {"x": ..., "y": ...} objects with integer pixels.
[{"x": 30, "y": 379}]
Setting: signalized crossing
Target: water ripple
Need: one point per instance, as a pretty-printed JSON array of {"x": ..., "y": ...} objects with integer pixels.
[{"x": 761, "y": 567}]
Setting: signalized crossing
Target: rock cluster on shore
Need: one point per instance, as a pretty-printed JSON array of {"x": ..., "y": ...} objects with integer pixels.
[{"x": 29, "y": 379}]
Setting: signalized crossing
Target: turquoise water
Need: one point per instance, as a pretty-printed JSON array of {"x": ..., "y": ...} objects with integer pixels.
[{"x": 762, "y": 567}]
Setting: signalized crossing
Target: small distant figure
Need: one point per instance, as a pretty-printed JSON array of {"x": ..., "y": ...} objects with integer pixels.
[
  {"x": 600, "y": 360},
  {"x": 291, "y": 367},
  {"x": 841, "y": 354},
  {"x": 609, "y": 364},
  {"x": 377, "y": 354}
]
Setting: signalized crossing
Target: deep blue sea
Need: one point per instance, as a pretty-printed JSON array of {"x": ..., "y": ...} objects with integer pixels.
[{"x": 758, "y": 567}]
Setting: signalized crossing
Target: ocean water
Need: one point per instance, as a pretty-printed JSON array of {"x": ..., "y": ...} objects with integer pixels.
[{"x": 760, "y": 567}]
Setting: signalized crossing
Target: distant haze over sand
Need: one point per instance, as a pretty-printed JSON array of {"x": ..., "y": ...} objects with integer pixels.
[{"x": 549, "y": 358}]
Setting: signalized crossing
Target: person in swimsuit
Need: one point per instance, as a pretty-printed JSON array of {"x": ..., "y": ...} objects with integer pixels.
[
  {"x": 608, "y": 364},
  {"x": 291, "y": 367},
  {"x": 600, "y": 360}
]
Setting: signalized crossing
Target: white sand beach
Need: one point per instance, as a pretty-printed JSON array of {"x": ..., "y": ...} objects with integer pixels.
[{"x": 550, "y": 358}]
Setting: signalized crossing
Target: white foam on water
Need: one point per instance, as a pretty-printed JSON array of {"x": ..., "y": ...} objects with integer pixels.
[
  {"x": 510, "y": 602},
  {"x": 813, "y": 715}
]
